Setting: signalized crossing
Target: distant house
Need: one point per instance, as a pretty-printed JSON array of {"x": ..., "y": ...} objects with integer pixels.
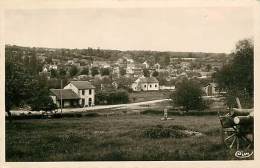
[
  {"x": 85, "y": 91},
  {"x": 129, "y": 68},
  {"x": 145, "y": 84},
  {"x": 55, "y": 67},
  {"x": 146, "y": 64},
  {"x": 68, "y": 97},
  {"x": 45, "y": 69},
  {"x": 70, "y": 62},
  {"x": 102, "y": 64},
  {"x": 167, "y": 87},
  {"x": 210, "y": 89}
]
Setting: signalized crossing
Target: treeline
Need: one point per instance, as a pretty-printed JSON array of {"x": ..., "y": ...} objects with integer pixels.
[{"x": 92, "y": 54}]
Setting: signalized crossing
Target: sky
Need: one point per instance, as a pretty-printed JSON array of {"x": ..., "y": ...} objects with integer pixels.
[{"x": 211, "y": 29}]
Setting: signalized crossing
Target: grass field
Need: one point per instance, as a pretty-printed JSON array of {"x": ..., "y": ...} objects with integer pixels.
[
  {"x": 112, "y": 138},
  {"x": 148, "y": 95}
]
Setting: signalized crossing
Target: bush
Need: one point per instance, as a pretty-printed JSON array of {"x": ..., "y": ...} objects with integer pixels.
[
  {"x": 188, "y": 95},
  {"x": 161, "y": 132},
  {"x": 112, "y": 97}
]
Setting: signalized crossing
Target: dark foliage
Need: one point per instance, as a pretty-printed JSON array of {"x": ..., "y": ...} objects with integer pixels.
[
  {"x": 188, "y": 95},
  {"x": 237, "y": 77},
  {"x": 112, "y": 97}
]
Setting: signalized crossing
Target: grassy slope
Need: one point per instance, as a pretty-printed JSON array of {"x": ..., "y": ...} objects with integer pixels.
[{"x": 111, "y": 138}]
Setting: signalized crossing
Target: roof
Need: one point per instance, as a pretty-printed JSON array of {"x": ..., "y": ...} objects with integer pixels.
[
  {"x": 65, "y": 93},
  {"x": 149, "y": 80},
  {"x": 82, "y": 84}
]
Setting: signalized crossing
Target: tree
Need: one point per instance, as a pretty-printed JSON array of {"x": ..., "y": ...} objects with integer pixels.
[
  {"x": 155, "y": 74},
  {"x": 188, "y": 94},
  {"x": 42, "y": 101},
  {"x": 62, "y": 72},
  {"x": 237, "y": 77},
  {"x": 21, "y": 87},
  {"x": 122, "y": 71},
  {"x": 85, "y": 71},
  {"x": 94, "y": 71},
  {"x": 146, "y": 72},
  {"x": 104, "y": 71},
  {"x": 73, "y": 71},
  {"x": 54, "y": 73},
  {"x": 167, "y": 60},
  {"x": 208, "y": 67},
  {"x": 48, "y": 60}
]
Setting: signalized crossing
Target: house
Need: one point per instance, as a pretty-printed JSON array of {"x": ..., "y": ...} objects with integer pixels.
[
  {"x": 129, "y": 68},
  {"x": 68, "y": 97},
  {"x": 102, "y": 64},
  {"x": 210, "y": 89},
  {"x": 146, "y": 64},
  {"x": 85, "y": 91},
  {"x": 145, "y": 84},
  {"x": 54, "y": 66}
]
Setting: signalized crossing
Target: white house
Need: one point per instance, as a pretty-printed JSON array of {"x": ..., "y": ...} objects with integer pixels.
[
  {"x": 53, "y": 67},
  {"x": 146, "y": 64},
  {"x": 84, "y": 90},
  {"x": 145, "y": 84}
]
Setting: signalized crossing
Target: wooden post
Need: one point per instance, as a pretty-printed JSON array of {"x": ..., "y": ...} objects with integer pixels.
[
  {"x": 165, "y": 114},
  {"x": 238, "y": 103}
]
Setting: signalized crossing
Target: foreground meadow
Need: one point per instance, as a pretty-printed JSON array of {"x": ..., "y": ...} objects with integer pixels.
[{"x": 112, "y": 138}]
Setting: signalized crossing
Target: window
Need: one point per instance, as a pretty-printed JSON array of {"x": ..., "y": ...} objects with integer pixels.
[
  {"x": 155, "y": 85},
  {"x": 145, "y": 86},
  {"x": 83, "y": 92},
  {"x": 90, "y": 91},
  {"x": 150, "y": 86}
]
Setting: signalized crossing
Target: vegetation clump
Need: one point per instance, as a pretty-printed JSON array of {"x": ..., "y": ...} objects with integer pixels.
[{"x": 158, "y": 131}]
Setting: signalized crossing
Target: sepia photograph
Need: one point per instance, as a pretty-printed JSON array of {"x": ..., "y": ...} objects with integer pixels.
[{"x": 129, "y": 83}]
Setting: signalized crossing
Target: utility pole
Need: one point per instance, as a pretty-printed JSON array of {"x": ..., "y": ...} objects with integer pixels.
[{"x": 61, "y": 97}]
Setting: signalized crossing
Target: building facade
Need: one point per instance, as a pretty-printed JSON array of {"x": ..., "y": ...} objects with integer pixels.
[
  {"x": 146, "y": 84},
  {"x": 75, "y": 94},
  {"x": 84, "y": 90}
]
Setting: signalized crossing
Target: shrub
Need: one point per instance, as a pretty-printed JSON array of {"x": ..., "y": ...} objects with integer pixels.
[
  {"x": 112, "y": 97},
  {"x": 188, "y": 95},
  {"x": 161, "y": 132}
]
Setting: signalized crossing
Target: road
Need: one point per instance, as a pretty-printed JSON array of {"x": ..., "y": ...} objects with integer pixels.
[
  {"x": 98, "y": 107},
  {"x": 113, "y": 106}
]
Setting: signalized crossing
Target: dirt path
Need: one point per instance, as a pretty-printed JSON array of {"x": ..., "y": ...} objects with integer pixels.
[
  {"x": 113, "y": 106},
  {"x": 68, "y": 110}
]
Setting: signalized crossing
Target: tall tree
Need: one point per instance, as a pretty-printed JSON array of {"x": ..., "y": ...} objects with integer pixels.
[
  {"x": 73, "y": 71},
  {"x": 155, "y": 74},
  {"x": 146, "y": 72},
  {"x": 85, "y": 71},
  {"x": 104, "y": 71},
  {"x": 94, "y": 71},
  {"x": 237, "y": 77}
]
